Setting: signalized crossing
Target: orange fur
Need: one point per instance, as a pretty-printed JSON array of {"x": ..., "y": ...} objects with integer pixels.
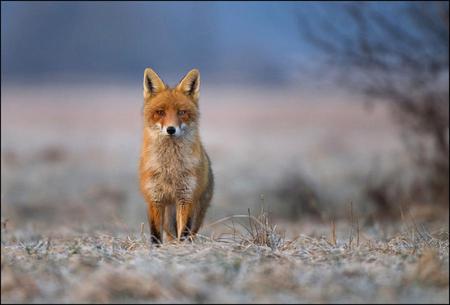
[{"x": 176, "y": 179}]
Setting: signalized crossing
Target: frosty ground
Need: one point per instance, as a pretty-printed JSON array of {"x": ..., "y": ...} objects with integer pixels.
[{"x": 97, "y": 267}]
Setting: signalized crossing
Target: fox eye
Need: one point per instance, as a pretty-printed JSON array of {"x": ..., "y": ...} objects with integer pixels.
[
  {"x": 181, "y": 112},
  {"x": 160, "y": 112}
]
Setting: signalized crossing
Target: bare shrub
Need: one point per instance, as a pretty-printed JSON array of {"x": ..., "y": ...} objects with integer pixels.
[
  {"x": 295, "y": 197},
  {"x": 388, "y": 191},
  {"x": 397, "y": 54}
]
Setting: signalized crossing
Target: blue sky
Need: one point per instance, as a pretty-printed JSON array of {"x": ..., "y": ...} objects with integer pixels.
[{"x": 242, "y": 41}]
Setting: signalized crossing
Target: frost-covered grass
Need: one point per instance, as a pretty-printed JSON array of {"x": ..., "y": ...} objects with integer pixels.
[{"x": 231, "y": 267}]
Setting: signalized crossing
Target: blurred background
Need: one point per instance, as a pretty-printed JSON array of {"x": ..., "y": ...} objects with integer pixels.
[{"x": 308, "y": 108}]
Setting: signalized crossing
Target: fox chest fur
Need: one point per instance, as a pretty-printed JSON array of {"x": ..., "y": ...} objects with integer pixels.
[{"x": 170, "y": 172}]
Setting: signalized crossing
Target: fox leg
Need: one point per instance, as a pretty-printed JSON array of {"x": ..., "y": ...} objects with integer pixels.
[
  {"x": 198, "y": 219},
  {"x": 183, "y": 219},
  {"x": 156, "y": 221},
  {"x": 170, "y": 222},
  {"x": 187, "y": 230},
  {"x": 203, "y": 203}
]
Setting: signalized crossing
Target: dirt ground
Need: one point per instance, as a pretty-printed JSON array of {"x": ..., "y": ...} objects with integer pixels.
[{"x": 72, "y": 212}]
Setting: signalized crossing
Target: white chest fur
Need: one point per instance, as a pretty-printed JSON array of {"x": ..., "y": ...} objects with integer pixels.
[{"x": 173, "y": 166}]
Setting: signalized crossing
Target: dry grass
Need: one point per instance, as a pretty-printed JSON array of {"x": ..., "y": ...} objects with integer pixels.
[
  {"x": 250, "y": 261},
  {"x": 257, "y": 231}
]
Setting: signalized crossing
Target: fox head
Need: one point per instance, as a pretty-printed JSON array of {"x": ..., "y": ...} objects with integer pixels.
[{"x": 171, "y": 112}]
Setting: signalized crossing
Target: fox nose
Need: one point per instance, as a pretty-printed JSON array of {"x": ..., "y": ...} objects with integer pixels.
[{"x": 171, "y": 130}]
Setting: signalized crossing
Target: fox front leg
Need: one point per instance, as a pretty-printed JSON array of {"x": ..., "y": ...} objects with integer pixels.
[
  {"x": 184, "y": 220},
  {"x": 156, "y": 222}
]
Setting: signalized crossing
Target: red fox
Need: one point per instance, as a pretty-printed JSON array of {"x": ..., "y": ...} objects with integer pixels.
[{"x": 176, "y": 178}]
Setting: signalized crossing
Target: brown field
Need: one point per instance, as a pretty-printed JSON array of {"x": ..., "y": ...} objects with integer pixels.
[{"x": 72, "y": 212}]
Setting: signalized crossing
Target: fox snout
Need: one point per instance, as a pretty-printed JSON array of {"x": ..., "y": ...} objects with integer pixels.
[{"x": 172, "y": 130}]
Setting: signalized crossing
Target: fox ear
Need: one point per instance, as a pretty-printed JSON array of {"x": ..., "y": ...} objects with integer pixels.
[
  {"x": 190, "y": 84},
  {"x": 152, "y": 83}
]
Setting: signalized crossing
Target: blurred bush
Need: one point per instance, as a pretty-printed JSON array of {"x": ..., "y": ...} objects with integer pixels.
[
  {"x": 398, "y": 55},
  {"x": 295, "y": 197}
]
